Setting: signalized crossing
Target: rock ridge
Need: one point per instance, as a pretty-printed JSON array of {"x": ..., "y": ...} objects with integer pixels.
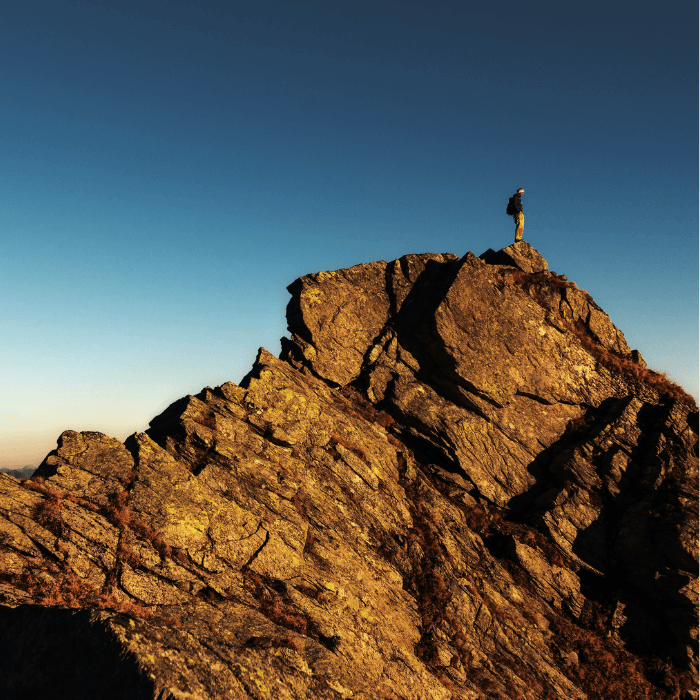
[{"x": 456, "y": 481}]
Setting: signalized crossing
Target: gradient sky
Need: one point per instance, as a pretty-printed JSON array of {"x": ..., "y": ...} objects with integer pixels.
[{"x": 169, "y": 167}]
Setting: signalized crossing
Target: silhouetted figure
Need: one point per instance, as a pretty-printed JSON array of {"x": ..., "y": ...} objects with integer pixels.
[{"x": 515, "y": 209}]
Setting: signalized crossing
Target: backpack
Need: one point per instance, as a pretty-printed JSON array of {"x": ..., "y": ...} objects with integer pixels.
[{"x": 510, "y": 209}]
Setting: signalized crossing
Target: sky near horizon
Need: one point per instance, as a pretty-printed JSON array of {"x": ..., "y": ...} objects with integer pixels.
[{"x": 169, "y": 167}]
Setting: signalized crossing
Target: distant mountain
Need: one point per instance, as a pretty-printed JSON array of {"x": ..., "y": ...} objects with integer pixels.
[
  {"x": 23, "y": 473},
  {"x": 457, "y": 482}
]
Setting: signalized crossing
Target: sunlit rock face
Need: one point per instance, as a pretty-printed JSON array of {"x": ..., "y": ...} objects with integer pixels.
[{"x": 458, "y": 481}]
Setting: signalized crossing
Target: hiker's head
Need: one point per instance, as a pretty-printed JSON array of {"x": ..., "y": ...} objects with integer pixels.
[{"x": 521, "y": 192}]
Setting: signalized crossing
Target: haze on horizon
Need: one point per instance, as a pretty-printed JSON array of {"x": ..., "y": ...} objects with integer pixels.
[{"x": 170, "y": 167}]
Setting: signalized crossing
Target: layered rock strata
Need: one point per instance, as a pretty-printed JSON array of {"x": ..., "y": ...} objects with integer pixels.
[{"x": 458, "y": 481}]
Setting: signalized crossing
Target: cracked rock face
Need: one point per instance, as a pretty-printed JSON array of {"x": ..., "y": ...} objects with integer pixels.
[{"x": 458, "y": 481}]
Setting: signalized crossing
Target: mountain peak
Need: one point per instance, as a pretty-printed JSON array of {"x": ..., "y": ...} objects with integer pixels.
[{"x": 456, "y": 481}]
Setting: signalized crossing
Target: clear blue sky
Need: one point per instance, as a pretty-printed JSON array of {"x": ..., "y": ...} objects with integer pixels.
[{"x": 169, "y": 167}]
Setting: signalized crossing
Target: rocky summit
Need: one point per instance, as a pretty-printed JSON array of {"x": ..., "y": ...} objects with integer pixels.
[{"x": 457, "y": 481}]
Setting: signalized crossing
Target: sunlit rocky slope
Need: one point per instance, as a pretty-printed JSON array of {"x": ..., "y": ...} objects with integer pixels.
[{"x": 458, "y": 481}]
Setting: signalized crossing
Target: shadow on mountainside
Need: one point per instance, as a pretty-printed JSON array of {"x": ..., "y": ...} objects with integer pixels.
[
  {"x": 67, "y": 652},
  {"x": 632, "y": 545},
  {"x": 414, "y": 325}
]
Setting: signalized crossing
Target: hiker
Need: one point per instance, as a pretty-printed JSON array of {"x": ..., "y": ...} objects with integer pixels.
[{"x": 515, "y": 209}]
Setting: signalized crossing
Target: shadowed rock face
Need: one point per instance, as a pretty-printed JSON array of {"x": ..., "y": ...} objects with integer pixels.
[{"x": 458, "y": 481}]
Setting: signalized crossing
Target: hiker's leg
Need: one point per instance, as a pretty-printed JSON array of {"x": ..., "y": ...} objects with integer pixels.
[{"x": 519, "y": 226}]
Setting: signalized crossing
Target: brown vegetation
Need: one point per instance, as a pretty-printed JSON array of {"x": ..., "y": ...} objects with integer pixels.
[
  {"x": 276, "y": 605},
  {"x": 626, "y": 366},
  {"x": 606, "y": 671},
  {"x": 60, "y": 585},
  {"x": 357, "y": 451},
  {"x": 48, "y": 515},
  {"x": 362, "y": 408},
  {"x": 541, "y": 284}
]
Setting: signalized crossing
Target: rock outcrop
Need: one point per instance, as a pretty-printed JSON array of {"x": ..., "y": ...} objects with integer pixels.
[{"x": 458, "y": 481}]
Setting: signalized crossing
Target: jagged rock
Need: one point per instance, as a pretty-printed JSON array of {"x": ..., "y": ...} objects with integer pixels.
[
  {"x": 457, "y": 482},
  {"x": 521, "y": 255}
]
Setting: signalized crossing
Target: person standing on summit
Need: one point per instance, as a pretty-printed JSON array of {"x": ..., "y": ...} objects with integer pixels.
[{"x": 515, "y": 209}]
